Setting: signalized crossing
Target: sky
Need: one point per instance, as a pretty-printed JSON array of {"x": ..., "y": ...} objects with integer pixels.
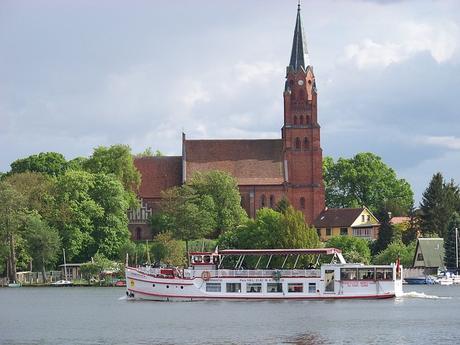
[{"x": 75, "y": 75}]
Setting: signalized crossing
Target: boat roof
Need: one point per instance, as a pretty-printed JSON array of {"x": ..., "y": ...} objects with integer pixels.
[{"x": 314, "y": 251}]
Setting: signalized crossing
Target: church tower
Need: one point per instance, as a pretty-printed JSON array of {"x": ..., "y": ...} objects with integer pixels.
[{"x": 301, "y": 132}]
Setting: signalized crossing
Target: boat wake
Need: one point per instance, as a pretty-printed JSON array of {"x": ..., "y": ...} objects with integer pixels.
[
  {"x": 122, "y": 298},
  {"x": 414, "y": 294}
]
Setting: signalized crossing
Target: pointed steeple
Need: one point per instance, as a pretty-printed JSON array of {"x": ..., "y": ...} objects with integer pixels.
[{"x": 299, "y": 53}]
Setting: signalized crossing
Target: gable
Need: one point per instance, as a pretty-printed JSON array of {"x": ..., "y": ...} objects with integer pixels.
[{"x": 432, "y": 250}]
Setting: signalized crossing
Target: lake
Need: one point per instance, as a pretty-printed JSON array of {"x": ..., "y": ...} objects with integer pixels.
[{"x": 32, "y": 316}]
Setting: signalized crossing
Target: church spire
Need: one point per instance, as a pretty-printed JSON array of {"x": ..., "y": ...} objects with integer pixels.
[{"x": 299, "y": 53}]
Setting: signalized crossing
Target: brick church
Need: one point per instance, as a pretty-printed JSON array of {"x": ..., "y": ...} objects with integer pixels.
[{"x": 266, "y": 169}]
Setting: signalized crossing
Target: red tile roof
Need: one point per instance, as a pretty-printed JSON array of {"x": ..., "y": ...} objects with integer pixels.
[
  {"x": 252, "y": 162},
  {"x": 337, "y": 217},
  {"x": 399, "y": 220},
  {"x": 158, "y": 174}
]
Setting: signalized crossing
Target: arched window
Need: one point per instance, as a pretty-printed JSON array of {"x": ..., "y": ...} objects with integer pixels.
[
  {"x": 301, "y": 119},
  {"x": 306, "y": 144},
  {"x": 295, "y": 120},
  {"x": 297, "y": 143},
  {"x": 308, "y": 120},
  {"x": 272, "y": 201},
  {"x": 263, "y": 202},
  {"x": 302, "y": 203},
  {"x": 138, "y": 234},
  {"x": 302, "y": 94}
]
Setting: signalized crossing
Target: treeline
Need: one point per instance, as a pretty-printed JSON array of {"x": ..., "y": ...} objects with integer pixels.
[{"x": 48, "y": 203}]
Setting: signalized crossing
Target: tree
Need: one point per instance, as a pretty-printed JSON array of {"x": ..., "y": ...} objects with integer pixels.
[
  {"x": 386, "y": 232},
  {"x": 11, "y": 214},
  {"x": 222, "y": 188},
  {"x": 50, "y": 163},
  {"x": 77, "y": 163},
  {"x": 365, "y": 180},
  {"x": 354, "y": 249},
  {"x": 37, "y": 190},
  {"x": 43, "y": 242},
  {"x": 272, "y": 229},
  {"x": 186, "y": 214},
  {"x": 439, "y": 201},
  {"x": 450, "y": 258},
  {"x": 393, "y": 251},
  {"x": 167, "y": 250},
  {"x": 116, "y": 160},
  {"x": 148, "y": 152}
]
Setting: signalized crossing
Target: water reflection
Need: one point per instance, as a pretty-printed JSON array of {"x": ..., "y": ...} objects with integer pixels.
[{"x": 306, "y": 339}]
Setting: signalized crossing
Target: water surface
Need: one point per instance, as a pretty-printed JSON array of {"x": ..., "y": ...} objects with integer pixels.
[{"x": 32, "y": 316}]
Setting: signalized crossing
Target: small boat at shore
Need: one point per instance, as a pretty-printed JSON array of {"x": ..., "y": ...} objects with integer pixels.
[
  {"x": 14, "y": 285},
  {"x": 62, "y": 283},
  {"x": 221, "y": 275},
  {"x": 419, "y": 280}
]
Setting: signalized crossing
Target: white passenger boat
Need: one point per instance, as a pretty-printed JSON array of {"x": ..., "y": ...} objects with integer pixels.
[{"x": 209, "y": 277}]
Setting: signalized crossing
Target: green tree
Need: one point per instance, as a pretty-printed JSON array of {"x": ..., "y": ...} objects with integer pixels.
[
  {"x": 37, "y": 190},
  {"x": 116, "y": 160},
  {"x": 77, "y": 163},
  {"x": 222, "y": 188},
  {"x": 167, "y": 250},
  {"x": 390, "y": 254},
  {"x": 50, "y": 163},
  {"x": 354, "y": 249},
  {"x": 11, "y": 215},
  {"x": 272, "y": 229},
  {"x": 439, "y": 201},
  {"x": 450, "y": 257},
  {"x": 186, "y": 214},
  {"x": 43, "y": 242},
  {"x": 386, "y": 232},
  {"x": 365, "y": 180}
]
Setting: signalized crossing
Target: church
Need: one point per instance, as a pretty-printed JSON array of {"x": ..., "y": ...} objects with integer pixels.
[{"x": 267, "y": 170}]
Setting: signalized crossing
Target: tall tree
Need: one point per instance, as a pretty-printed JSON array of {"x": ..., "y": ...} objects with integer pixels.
[
  {"x": 11, "y": 214},
  {"x": 50, "y": 163},
  {"x": 116, "y": 160},
  {"x": 386, "y": 232},
  {"x": 451, "y": 242},
  {"x": 222, "y": 188},
  {"x": 439, "y": 201},
  {"x": 43, "y": 242},
  {"x": 365, "y": 180}
]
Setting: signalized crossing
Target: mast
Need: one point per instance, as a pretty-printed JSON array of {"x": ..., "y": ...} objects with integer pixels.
[
  {"x": 456, "y": 248},
  {"x": 65, "y": 266}
]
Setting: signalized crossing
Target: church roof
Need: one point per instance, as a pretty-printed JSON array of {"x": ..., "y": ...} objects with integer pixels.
[
  {"x": 299, "y": 53},
  {"x": 158, "y": 174},
  {"x": 252, "y": 162},
  {"x": 338, "y": 217}
]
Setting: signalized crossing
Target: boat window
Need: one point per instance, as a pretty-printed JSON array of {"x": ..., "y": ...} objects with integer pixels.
[
  {"x": 348, "y": 274},
  {"x": 207, "y": 259},
  {"x": 366, "y": 273},
  {"x": 384, "y": 274},
  {"x": 233, "y": 287},
  {"x": 197, "y": 258},
  {"x": 213, "y": 287},
  {"x": 274, "y": 287},
  {"x": 295, "y": 287},
  {"x": 311, "y": 287},
  {"x": 253, "y": 287}
]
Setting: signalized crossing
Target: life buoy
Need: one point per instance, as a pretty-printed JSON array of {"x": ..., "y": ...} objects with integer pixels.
[{"x": 206, "y": 275}]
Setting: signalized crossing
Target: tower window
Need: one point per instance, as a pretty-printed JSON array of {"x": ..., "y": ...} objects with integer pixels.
[
  {"x": 263, "y": 202},
  {"x": 306, "y": 144},
  {"x": 302, "y": 203},
  {"x": 301, "y": 119},
  {"x": 308, "y": 120},
  {"x": 272, "y": 201},
  {"x": 295, "y": 120},
  {"x": 297, "y": 143}
]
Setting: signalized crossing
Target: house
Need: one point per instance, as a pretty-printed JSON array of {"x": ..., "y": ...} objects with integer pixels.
[
  {"x": 73, "y": 271},
  {"x": 357, "y": 222},
  {"x": 429, "y": 254}
]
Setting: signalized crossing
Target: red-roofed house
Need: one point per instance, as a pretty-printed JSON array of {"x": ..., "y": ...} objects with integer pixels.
[{"x": 266, "y": 169}]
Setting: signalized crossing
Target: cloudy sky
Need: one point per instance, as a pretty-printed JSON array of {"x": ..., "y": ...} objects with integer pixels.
[{"x": 78, "y": 74}]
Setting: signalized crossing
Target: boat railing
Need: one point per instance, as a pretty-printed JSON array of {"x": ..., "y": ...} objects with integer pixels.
[{"x": 224, "y": 273}]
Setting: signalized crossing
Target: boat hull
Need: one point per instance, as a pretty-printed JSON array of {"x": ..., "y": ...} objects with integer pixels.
[{"x": 145, "y": 287}]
